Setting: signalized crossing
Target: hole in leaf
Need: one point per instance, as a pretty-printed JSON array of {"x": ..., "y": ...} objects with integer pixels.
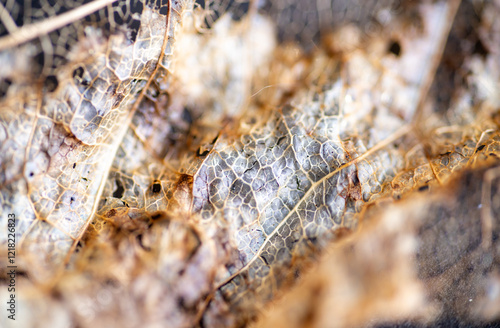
[
  {"x": 395, "y": 48},
  {"x": 51, "y": 83},
  {"x": 480, "y": 49},
  {"x": 156, "y": 187},
  {"x": 119, "y": 191}
]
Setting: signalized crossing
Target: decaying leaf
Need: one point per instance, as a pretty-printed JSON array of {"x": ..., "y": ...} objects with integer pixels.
[{"x": 180, "y": 164}]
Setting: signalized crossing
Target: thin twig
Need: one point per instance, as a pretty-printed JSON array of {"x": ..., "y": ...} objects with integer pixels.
[{"x": 35, "y": 30}]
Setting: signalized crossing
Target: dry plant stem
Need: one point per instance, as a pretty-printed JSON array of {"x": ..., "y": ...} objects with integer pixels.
[{"x": 35, "y": 30}]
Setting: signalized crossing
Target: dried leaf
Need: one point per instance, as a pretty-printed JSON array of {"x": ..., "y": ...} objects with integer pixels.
[{"x": 176, "y": 164}]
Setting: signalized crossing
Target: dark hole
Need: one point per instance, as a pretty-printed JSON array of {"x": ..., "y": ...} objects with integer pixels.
[
  {"x": 118, "y": 193},
  {"x": 72, "y": 199},
  {"x": 32, "y": 174},
  {"x": 480, "y": 148},
  {"x": 51, "y": 83},
  {"x": 136, "y": 7},
  {"x": 163, "y": 10},
  {"x": 134, "y": 29},
  {"x": 74, "y": 165},
  {"x": 78, "y": 76},
  {"x": 79, "y": 246},
  {"x": 4, "y": 87},
  {"x": 423, "y": 188},
  {"x": 118, "y": 18},
  {"x": 156, "y": 188},
  {"x": 78, "y": 73},
  {"x": 395, "y": 48},
  {"x": 199, "y": 154},
  {"x": 480, "y": 49}
]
